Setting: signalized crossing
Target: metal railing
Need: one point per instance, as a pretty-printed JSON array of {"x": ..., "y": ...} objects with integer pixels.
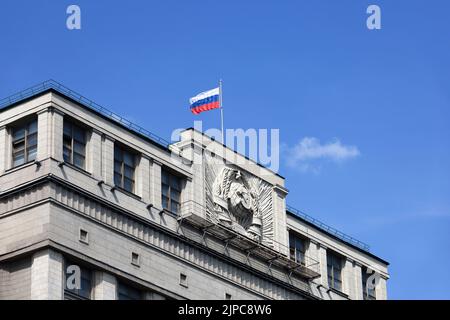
[
  {"x": 192, "y": 208},
  {"x": 329, "y": 229},
  {"x": 52, "y": 84}
]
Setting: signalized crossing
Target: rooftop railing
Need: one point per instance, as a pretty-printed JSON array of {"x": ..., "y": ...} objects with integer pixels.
[
  {"x": 329, "y": 229},
  {"x": 52, "y": 84}
]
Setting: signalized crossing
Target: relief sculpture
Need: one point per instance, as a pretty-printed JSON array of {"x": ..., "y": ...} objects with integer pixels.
[{"x": 239, "y": 201}]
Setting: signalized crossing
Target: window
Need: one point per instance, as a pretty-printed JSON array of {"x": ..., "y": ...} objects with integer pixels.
[
  {"x": 334, "y": 266},
  {"x": 24, "y": 143},
  {"x": 297, "y": 248},
  {"x": 74, "y": 144},
  {"x": 84, "y": 236},
  {"x": 124, "y": 165},
  {"x": 171, "y": 192},
  {"x": 135, "y": 259},
  {"x": 78, "y": 282},
  {"x": 183, "y": 280},
  {"x": 126, "y": 292},
  {"x": 368, "y": 285}
]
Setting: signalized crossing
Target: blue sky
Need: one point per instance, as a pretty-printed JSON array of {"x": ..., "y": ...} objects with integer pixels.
[{"x": 364, "y": 114}]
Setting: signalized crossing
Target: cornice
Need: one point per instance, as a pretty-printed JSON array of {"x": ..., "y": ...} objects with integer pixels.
[{"x": 145, "y": 227}]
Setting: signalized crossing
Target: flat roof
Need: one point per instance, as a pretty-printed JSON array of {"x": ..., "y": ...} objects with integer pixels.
[
  {"x": 339, "y": 236},
  {"x": 54, "y": 86}
]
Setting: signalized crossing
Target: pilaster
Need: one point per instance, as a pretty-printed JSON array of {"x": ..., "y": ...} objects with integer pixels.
[
  {"x": 105, "y": 286},
  {"x": 47, "y": 275}
]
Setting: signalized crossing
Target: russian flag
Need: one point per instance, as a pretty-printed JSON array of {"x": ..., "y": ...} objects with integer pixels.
[{"x": 205, "y": 101}]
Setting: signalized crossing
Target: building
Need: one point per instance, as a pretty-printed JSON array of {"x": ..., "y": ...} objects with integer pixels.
[{"x": 94, "y": 207}]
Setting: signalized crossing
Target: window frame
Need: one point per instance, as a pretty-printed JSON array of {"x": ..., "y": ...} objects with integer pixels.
[
  {"x": 170, "y": 176},
  {"x": 73, "y": 139},
  {"x": 294, "y": 238},
  {"x": 333, "y": 261},
  {"x": 124, "y": 286},
  {"x": 124, "y": 150},
  {"x": 75, "y": 293},
  {"x": 25, "y": 124},
  {"x": 367, "y": 293},
  {"x": 184, "y": 280}
]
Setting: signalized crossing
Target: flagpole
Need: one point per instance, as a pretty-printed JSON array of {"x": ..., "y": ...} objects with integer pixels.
[{"x": 221, "y": 110}]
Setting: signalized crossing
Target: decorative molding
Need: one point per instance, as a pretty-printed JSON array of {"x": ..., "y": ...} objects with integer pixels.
[
  {"x": 108, "y": 137},
  {"x": 54, "y": 109},
  {"x": 146, "y": 157},
  {"x": 239, "y": 200},
  {"x": 157, "y": 162},
  {"x": 95, "y": 130},
  {"x": 44, "y": 110},
  {"x": 281, "y": 189},
  {"x": 203, "y": 258}
]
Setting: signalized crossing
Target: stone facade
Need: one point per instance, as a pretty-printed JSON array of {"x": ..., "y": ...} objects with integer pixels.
[{"x": 230, "y": 236}]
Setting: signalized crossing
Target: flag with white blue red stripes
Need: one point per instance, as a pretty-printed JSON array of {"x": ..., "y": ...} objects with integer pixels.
[{"x": 205, "y": 101}]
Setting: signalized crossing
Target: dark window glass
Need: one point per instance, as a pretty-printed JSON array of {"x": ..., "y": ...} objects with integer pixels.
[
  {"x": 126, "y": 292},
  {"x": 334, "y": 266},
  {"x": 74, "y": 144},
  {"x": 124, "y": 167},
  {"x": 85, "y": 288},
  {"x": 170, "y": 191},
  {"x": 24, "y": 144},
  {"x": 297, "y": 248},
  {"x": 368, "y": 288}
]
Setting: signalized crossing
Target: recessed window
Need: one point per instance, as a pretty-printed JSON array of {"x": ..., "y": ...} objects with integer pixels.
[
  {"x": 183, "y": 280},
  {"x": 84, "y": 236},
  {"x": 74, "y": 144},
  {"x": 124, "y": 167},
  {"x": 24, "y": 143},
  {"x": 228, "y": 296},
  {"x": 135, "y": 259},
  {"x": 368, "y": 284},
  {"x": 171, "y": 191},
  {"x": 297, "y": 248},
  {"x": 127, "y": 292},
  {"x": 78, "y": 282},
  {"x": 334, "y": 266}
]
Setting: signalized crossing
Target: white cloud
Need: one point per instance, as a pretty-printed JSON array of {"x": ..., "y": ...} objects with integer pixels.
[{"x": 309, "y": 152}]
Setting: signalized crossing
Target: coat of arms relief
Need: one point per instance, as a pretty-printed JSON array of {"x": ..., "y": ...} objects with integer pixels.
[{"x": 240, "y": 201}]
